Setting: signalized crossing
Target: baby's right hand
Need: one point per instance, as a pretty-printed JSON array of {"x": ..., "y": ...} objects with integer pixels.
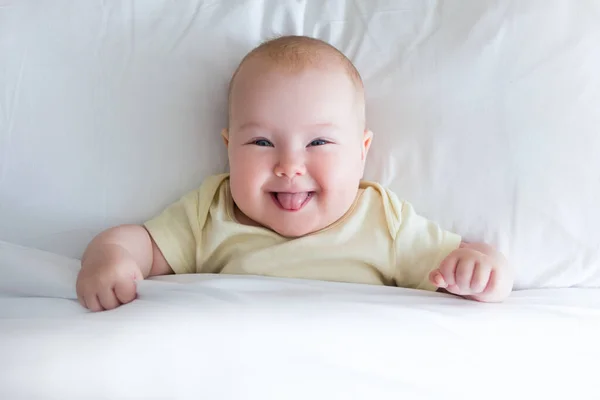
[{"x": 105, "y": 283}]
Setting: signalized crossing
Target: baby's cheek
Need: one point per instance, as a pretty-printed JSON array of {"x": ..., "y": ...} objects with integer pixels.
[
  {"x": 327, "y": 174},
  {"x": 246, "y": 164},
  {"x": 340, "y": 163}
]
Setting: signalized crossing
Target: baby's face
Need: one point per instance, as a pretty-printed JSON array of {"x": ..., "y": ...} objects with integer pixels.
[{"x": 297, "y": 146}]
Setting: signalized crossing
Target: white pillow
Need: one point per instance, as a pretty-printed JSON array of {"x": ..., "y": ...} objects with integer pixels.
[{"x": 485, "y": 114}]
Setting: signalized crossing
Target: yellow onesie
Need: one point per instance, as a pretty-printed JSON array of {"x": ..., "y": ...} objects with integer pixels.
[{"x": 380, "y": 240}]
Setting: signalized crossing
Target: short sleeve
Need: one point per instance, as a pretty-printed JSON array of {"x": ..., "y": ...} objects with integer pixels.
[
  {"x": 175, "y": 231},
  {"x": 420, "y": 247}
]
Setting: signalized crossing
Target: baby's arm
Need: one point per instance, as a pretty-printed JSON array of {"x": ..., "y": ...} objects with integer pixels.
[
  {"x": 111, "y": 264},
  {"x": 475, "y": 271}
]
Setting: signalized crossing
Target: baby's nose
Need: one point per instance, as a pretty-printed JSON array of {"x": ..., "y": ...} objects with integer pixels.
[{"x": 290, "y": 168}]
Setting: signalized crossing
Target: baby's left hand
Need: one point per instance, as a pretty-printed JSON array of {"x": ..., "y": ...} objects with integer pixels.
[{"x": 474, "y": 271}]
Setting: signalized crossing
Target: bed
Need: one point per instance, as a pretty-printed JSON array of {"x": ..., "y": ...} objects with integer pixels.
[
  {"x": 245, "y": 337},
  {"x": 485, "y": 115}
]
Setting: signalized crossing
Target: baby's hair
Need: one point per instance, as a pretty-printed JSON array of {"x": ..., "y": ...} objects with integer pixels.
[{"x": 296, "y": 53}]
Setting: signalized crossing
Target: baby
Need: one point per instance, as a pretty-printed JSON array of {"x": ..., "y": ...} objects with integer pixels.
[{"x": 294, "y": 204}]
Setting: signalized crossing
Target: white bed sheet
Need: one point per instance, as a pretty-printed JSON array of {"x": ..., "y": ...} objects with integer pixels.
[{"x": 233, "y": 337}]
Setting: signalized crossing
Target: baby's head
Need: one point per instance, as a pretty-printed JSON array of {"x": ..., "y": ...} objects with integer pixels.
[{"x": 296, "y": 140}]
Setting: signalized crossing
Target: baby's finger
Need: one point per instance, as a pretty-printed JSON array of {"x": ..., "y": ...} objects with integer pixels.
[
  {"x": 108, "y": 299},
  {"x": 448, "y": 268},
  {"x": 481, "y": 277},
  {"x": 492, "y": 282},
  {"x": 437, "y": 279},
  {"x": 125, "y": 290},
  {"x": 93, "y": 303},
  {"x": 80, "y": 294},
  {"x": 454, "y": 290},
  {"x": 81, "y": 300},
  {"x": 464, "y": 274}
]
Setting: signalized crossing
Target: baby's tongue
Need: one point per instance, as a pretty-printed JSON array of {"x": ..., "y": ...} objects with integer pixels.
[{"x": 291, "y": 201}]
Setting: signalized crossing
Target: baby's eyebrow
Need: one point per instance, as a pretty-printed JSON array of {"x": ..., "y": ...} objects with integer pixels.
[
  {"x": 251, "y": 125},
  {"x": 323, "y": 125},
  {"x": 259, "y": 126}
]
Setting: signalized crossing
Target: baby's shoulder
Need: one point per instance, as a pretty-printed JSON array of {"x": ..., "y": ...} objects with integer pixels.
[
  {"x": 198, "y": 202},
  {"x": 376, "y": 197},
  {"x": 379, "y": 194}
]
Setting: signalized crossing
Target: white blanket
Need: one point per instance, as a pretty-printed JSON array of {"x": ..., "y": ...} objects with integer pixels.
[{"x": 233, "y": 337}]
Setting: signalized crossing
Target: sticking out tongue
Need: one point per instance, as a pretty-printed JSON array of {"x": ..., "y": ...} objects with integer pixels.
[{"x": 292, "y": 201}]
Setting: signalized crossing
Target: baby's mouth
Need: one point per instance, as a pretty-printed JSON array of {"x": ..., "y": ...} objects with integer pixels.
[{"x": 292, "y": 201}]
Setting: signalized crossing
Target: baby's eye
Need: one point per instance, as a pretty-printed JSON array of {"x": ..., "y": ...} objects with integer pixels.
[
  {"x": 263, "y": 143},
  {"x": 318, "y": 142}
]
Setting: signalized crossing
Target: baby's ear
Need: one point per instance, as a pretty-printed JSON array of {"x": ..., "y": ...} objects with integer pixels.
[
  {"x": 367, "y": 139},
  {"x": 225, "y": 134}
]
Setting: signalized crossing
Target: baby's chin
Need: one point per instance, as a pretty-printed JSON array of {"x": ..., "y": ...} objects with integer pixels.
[
  {"x": 291, "y": 230},
  {"x": 293, "y": 233}
]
